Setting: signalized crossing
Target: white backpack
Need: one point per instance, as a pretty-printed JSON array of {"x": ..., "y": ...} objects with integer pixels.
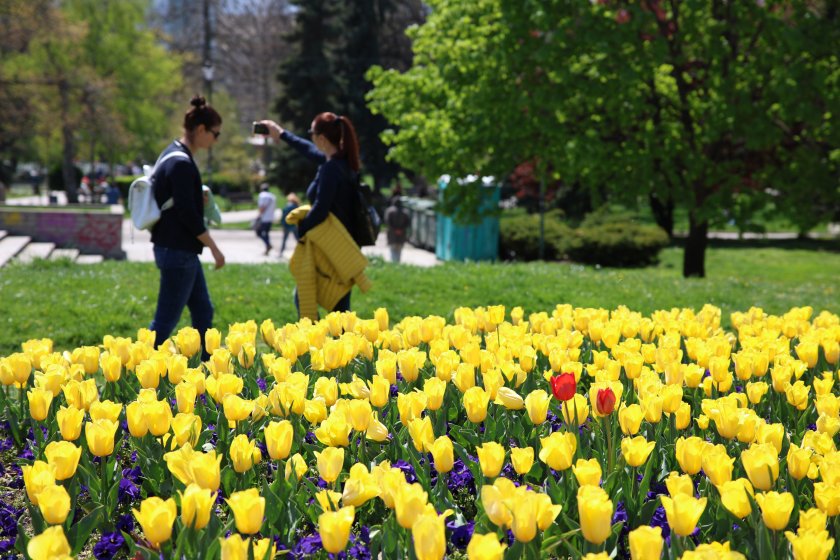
[{"x": 145, "y": 212}]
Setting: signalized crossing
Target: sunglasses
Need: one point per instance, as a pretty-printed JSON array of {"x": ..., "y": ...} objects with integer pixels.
[{"x": 215, "y": 133}]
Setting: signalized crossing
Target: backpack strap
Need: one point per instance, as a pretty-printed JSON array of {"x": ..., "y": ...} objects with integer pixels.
[{"x": 170, "y": 202}]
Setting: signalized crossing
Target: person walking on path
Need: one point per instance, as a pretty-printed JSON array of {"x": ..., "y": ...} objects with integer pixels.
[
  {"x": 335, "y": 148},
  {"x": 180, "y": 235},
  {"x": 267, "y": 203},
  {"x": 292, "y": 202},
  {"x": 398, "y": 222}
]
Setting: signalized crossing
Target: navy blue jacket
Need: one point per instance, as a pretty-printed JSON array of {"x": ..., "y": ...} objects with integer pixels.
[
  {"x": 178, "y": 178},
  {"x": 332, "y": 190}
]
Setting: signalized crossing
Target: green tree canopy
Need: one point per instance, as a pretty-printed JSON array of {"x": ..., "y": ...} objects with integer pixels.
[
  {"x": 96, "y": 75},
  {"x": 716, "y": 106}
]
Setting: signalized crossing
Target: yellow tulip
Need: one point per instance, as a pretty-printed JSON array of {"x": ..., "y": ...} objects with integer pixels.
[
  {"x": 464, "y": 378},
  {"x": 106, "y": 409},
  {"x": 409, "y": 504},
  {"x": 712, "y": 550},
  {"x": 536, "y": 403},
  {"x": 329, "y": 500},
  {"x": 510, "y": 399},
  {"x": 717, "y": 464},
  {"x": 236, "y": 408},
  {"x": 576, "y": 410},
  {"x": 136, "y": 419},
  {"x": 827, "y": 498},
  {"x": 429, "y": 535},
  {"x": 679, "y": 484},
  {"x": 278, "y": 439},
  {"x": 186, "y": 428},
  {"x": 296, "y": 464},
  {"x": 775, "y": 509},
  {"x": 377, "y": 431},
  {"x": 828, "y": 425},
  {"x": 524, "y": 509},
  {"x": 443, "y": 454},
  {"x": 491, "y": 458},
  {"x": 558, "y": 449},
  {"x": 176, "y": 367},
  {"x": 196, "y": 505},
  {"x": 771, "y": 433},
  {"x": 360, "y": 487},
  {"x": 54, "y": 503},
  {"x": 244, "y": 453},
  {"x": 630, "y": 419},
  {"x": 205, "y": 470},
  {"x": 587, "y": 472},
  {"x": 325, "y": 387},
  {"x": 810, "y": 545},
  {"x": 689, "y": 452},
  {"x": 646, "y": 543},
  {"x": 522, "y": 459},
  {"x": 49, "y": 545},
  {"x": 235, "y": 547},
  {"x": 733, "y": 496},
  {"x": 334, "y": 528},
  {"x": 485, "y": 547},
  {"x": 334, "y": 431},
  {"x": 812, "y": 520},
  {"x": 147, "y": 375},
  {"x": 756, "y": 391},
  {"x": 683, "y": 512},
  {"x": 496, "y": 498},
  {"x": 475, "y": 404},
  {"x": 63, "y": 457},
  {"x": 797, "y": 395},
  {"x": 636, "y": 450},
  {"x": 156, "y": 517},
  {"x": 100, "y": 437},
  {"x": 380, "y": 392},
  {"x": 248, "y": 509},
  {"x": 39, "y": 403},
  {"x": 761, "y": 463},
  {"x": 70, "y": 422},
  {"x": 595, "y": 512},
  {"x": 330, "y": 463},
  {"x": 158, "y": 416},
  {"x": 422, "y": 433}
]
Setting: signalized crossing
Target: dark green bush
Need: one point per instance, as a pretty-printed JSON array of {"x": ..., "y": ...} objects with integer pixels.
[
  {"x": 617, "y": 243},
  {"x": 123, "y": 182},
  {"x": 519, "y": 237}
]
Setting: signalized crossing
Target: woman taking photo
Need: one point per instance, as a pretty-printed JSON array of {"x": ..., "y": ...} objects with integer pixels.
[
  {"x": 334, "y": 146},
  {"x": 180, "y": 235}
]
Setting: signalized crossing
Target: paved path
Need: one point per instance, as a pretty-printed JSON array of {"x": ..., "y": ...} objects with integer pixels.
[{"x": 239, "y": 246}]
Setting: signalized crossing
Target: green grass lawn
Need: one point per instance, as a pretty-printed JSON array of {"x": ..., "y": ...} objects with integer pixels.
[{"x": 77, "y": 305}]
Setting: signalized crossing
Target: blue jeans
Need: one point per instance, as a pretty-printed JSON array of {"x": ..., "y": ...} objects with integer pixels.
[
  {"x": 181, "y": 284},
  {"x": 262, "y": 232}
]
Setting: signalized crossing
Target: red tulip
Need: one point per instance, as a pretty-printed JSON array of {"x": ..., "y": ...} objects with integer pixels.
[
  {"x": 563, "y": 386},
  {"x": 606, "y": 401}
]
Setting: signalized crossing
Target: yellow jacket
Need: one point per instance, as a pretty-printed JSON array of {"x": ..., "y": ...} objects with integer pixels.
[{"x": 325, "y": 264}]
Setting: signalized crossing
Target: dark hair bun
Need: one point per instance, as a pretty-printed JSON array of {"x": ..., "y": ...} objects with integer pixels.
[{"x": 198, "y": 101}]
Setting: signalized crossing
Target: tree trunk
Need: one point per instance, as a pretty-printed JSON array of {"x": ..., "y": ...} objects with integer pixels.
[
  {"x": 694, "y": 257},
  {"x": 663, "y": 213},
  {"x": 68, "y": 152}
]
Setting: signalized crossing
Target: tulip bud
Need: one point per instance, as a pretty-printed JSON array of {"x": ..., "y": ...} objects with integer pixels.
[
  {"x": 63, "y": 457},
  {"x": 50, "y": 544},
  {"x": 54, "y": 503},
  {"x": 443, "y": 454},
  {"x": 156, "y": 517},
  {"x": 330, "y": 463},
  {"x": 196, "y": 505},
  {"x": 248, "y": 509},
  {"x": 39, "y": 403},
  {"x": 775, "y": 509},
  {"x": 100, "y": 437},
  {"x": 485, "y": 547},
  {"x": 491, "y": 457},
  {"x": 334, "y": 528},
  {"x": 646, "y": 543}
]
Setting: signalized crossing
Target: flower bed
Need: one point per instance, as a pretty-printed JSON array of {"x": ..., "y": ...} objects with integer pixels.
[{"x": 575, "y": 433}]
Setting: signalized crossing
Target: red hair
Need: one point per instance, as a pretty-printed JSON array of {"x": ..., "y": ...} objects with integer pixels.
[{"x": 340, "y": 132}]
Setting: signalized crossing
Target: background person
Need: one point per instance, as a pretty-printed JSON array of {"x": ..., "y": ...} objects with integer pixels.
[
  {"x": 335, "y": 148},
  {"x": 180, "y": 235},
  {"x": 266, "y": 203},
  {"x": 292, "y": 202},
  {"x": 398, "y": 222}
]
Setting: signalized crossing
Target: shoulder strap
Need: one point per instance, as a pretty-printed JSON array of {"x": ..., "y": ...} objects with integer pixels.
[{"x": 169, "y": 202}]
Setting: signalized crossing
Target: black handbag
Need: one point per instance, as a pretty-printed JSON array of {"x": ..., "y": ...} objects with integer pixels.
[{"x": 366, "y": 220}]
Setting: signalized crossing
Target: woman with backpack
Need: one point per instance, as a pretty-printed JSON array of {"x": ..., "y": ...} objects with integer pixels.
[
  {"x": 180, "y": 235},
  {"x": 335, "y": 147}
]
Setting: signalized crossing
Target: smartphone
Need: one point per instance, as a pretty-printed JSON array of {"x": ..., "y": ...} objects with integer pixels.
[{"x": 260, "y": 128}]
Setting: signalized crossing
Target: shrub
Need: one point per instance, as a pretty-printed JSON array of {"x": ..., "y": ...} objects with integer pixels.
[
  {"x": 617, "y": 243},
  {"x": 519, "y": 237}
]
